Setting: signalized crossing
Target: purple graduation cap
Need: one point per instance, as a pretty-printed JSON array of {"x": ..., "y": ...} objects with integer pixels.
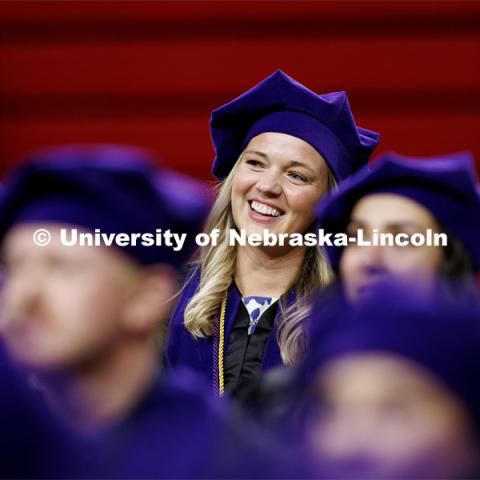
[
  {"x": 281, "y": 104},
  {"x": 111, "y": 188},
  {"x": 440, "y": 335},
  {"x": 446, "y": 186},
  {"x": 190, "y": 201}
]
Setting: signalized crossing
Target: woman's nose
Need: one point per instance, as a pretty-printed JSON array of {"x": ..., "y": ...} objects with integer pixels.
[{"x": 269, "y": 184}]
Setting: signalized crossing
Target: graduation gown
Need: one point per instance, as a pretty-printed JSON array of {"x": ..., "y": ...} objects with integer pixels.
[
  {"x": 199, "y": 354},
  {"x": 174, "y": 420},
  {"x": 179, "y": 430}
]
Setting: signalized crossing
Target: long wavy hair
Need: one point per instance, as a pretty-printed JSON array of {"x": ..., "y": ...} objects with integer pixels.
[{"x": 217, "y": 267}]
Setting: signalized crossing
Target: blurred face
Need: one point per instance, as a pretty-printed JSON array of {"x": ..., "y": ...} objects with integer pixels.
[
  {"x": 363, "y": 267},
  {"x": 63, "y": 305},
  {"x": 380, "y": 416},
  {"x": 277, "y": 184}
]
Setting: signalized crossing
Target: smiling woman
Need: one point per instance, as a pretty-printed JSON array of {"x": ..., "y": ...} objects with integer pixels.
[{"x": 280, "y": 147}]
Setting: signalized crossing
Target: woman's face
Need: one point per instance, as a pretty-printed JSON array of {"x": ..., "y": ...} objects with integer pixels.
[
  {"x": 382, "y": 416},
  {"x": 363, "y": 267},
  {"x": 279, "y": 180}
]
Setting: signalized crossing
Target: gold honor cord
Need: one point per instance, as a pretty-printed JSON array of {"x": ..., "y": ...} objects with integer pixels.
[{"x": 221, "y": 341}]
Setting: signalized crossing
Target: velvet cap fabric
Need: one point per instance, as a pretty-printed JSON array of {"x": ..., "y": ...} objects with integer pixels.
[
  {"x": 281, "y": 104},
  {"x": 437, "y": 334},
  {"x": 112, "y": 188}
]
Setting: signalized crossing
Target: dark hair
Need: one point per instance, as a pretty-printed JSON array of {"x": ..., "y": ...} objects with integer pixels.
[
  {"x": 457, "y": 272},
  {"x": 457, "y": 262}
]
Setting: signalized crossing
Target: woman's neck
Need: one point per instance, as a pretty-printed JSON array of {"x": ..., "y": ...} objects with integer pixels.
[{"x": 259, "y": 272}]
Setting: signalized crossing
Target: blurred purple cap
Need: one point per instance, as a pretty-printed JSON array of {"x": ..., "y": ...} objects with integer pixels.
[
  {"x": 440, "y": 335},
  {"x": 115, "y": 189}
]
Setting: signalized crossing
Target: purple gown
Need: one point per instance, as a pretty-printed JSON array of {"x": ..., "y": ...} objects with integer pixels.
[{"x": 200, "y": 354}]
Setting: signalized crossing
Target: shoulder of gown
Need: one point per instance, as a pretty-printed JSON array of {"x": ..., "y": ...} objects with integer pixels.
[{"x": 182, "y": 349}]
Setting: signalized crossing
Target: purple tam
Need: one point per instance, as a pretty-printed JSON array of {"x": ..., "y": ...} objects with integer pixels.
[
  {"x": 111, "y": 188},
  {"x": 281, "y": 104},
  {"x": 440, "y": 335},
  {"x": 446, "y": 186},
  {"x": 189, "y": 198},
  {"x": 190, "y": 201}
]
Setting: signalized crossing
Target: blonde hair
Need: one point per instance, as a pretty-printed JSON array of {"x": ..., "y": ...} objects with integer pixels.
[{"x": 217, "y": 266}]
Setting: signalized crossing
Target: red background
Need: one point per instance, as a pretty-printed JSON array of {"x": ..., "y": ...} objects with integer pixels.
[{"x": 148, "y": 73}]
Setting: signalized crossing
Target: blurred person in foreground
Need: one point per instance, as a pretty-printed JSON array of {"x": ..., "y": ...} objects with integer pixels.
[
  {"x": 393, "y": 390},
  {"x": 33, "y": 444},
  {"x": 83, "y": 318}
]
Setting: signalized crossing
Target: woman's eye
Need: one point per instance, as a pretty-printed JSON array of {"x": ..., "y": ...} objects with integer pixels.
[
  {"x": 254, "y": 163},
  {"x": 296, "y": 177}
]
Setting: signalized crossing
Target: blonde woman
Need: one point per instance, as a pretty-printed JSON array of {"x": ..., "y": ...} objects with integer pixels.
[{"x": 279, "y": 148}]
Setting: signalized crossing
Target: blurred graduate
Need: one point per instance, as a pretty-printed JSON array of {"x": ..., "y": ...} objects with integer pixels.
[
  {"x": 83, "y": 319},
  {"x": 392, "y": 389}
]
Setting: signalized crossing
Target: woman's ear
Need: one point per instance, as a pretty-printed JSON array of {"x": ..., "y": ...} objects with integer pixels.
[{"x": 152, "y": 300}]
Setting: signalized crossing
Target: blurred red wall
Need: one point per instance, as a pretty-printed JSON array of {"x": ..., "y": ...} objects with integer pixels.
[{"x": 148, "y": 73}]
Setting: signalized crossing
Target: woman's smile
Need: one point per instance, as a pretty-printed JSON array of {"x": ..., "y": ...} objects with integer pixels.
[{"x": 263, "y": 213}]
